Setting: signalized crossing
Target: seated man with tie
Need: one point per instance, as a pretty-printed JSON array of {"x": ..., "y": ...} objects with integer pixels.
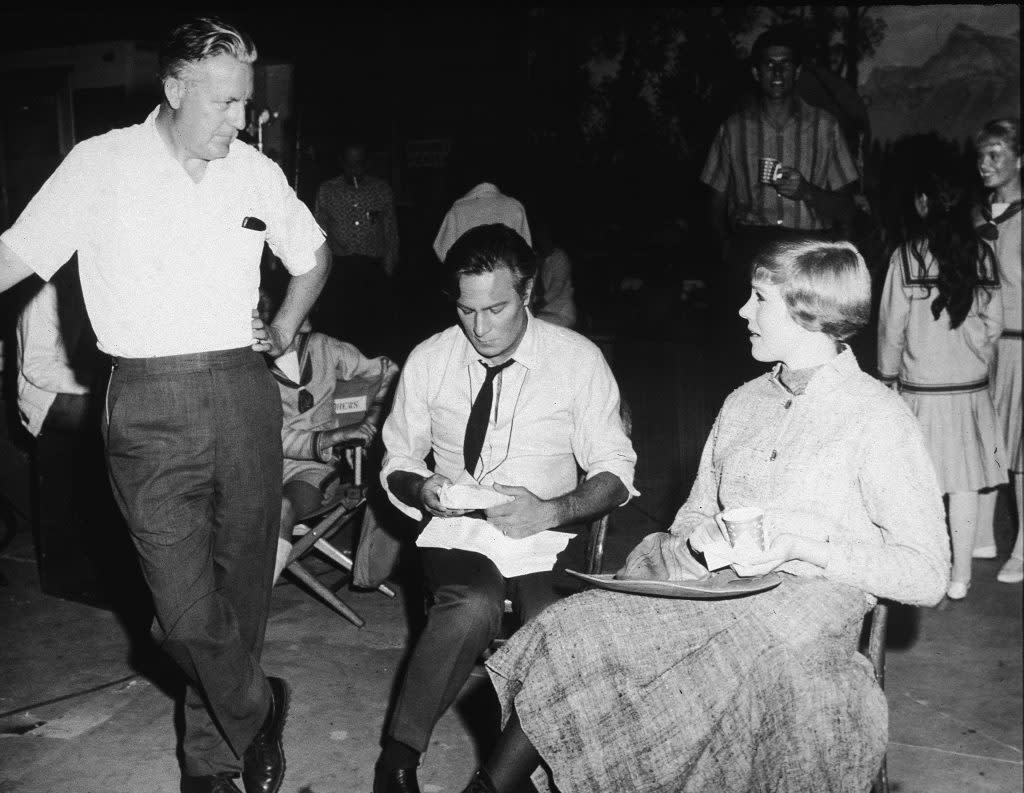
[{"x": 511, "y": 403}]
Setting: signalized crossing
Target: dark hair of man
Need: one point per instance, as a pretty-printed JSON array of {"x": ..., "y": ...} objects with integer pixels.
[
  {"x": 778, "y": 36},
  {"x": 484, "y": 249},
  {"x": 200, "y": 38},
  {"x": 949, "y": 237}
]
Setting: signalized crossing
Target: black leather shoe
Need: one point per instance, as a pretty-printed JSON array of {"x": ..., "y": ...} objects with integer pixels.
[
  {"x": 218, "y": 783},
  {"x": 395, "y": 780},
  {"x": 263, "y": 763}
]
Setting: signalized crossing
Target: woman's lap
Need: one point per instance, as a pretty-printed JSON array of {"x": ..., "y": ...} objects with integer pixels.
[{"x": 617, "y": 690}]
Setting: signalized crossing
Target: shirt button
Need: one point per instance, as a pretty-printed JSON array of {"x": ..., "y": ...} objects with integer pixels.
[
  {"x": 789, "y": 404},
  {"x": 774, "y": 455}
]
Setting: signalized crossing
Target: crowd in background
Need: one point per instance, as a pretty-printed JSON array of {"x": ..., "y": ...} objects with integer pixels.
[{"x": 786, "y": 197}]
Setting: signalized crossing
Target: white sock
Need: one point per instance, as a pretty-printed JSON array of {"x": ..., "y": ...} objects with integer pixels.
[{"x": 284, "y": 548}]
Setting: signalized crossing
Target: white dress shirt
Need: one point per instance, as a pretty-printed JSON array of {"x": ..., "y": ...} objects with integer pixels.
[
  {"x": 168, "y": 266},
  {"x": 43, "y": 367},
  {"x": 556, "y": 406},
  {"x": 482, "y": 205}
]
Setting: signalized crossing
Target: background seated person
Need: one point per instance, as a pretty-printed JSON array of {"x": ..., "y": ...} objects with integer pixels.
[
  {"x": 80, "y": 538},
  {"x": 552, "y": 291},
  {"x": 511, "y": 404},
  {"x": 306, "y": 375},
  {"x": 53, "y": 383},
  {"x": 616, "y": 691}
]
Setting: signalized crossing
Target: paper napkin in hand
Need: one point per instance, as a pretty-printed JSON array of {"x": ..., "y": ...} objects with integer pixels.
[{"x": 456, "y": 496}]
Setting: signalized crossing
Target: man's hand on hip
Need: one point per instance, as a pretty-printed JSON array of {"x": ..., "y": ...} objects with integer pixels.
[
  {"x": 525, "y": 516},
  {"x": 269, "y": 339}
]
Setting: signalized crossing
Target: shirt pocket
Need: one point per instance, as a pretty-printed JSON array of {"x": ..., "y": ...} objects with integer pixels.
[{"x": 236, "y": 239}]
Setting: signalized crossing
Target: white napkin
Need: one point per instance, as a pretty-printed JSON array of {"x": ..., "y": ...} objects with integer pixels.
[
  {"x": 466, "y": 496},
  {"x": 533, "y": 554},
  {"x": 289, "y": 364},
  {"x": 719, "y": 554}
]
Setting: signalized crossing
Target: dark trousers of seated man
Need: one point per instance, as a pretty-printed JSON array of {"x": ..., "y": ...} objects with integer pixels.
[
  {"x": 468, "y": 604},
  {"x": 194, "y": 451}
]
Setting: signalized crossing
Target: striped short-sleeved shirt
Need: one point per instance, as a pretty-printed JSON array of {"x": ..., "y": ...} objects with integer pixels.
[{"x": 810, "y": 141}]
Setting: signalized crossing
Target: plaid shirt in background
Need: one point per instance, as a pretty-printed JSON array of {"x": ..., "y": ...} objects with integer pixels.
[
  {"x": 809, "y": 141},
  {"x": 358, "y": 220}
]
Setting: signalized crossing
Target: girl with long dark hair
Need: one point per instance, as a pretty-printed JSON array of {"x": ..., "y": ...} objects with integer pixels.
[{"x": 940, "y": 319}]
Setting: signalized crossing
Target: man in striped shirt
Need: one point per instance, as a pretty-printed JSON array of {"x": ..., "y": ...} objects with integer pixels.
[{"x": 808, "y": 184}]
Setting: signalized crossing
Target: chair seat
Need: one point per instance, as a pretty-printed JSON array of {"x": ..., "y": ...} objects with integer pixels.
[{"x": 337, "y": 494}]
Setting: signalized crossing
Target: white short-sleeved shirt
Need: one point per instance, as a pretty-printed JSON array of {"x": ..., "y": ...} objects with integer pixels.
[{"x": 168, "y": 266}]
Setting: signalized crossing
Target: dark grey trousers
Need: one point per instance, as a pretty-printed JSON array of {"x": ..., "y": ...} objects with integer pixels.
[
  {"x": 194, "y": 449},
  {"x": 469, "y": 595}
]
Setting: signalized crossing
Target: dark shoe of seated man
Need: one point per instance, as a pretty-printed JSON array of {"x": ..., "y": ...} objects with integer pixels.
[
  {"x": 218, "y": 783},
  {"x": 263, "y": 762},
  {"x": 480, "y": 783}
]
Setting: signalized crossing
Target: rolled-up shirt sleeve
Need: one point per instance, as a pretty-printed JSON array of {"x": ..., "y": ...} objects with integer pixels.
[
  {"x": 292, "y": 233},
  {"x": 406, "y": 432},
  {"x": 716, "y": 172},
  {"x": 599, "y": 440}
]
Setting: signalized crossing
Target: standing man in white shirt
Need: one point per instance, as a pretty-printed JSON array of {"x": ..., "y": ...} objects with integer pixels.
[
  {"x": 508, "y": 401},
  {"x": 484, "y": 204},
  {"x": 169, "y": 218}
]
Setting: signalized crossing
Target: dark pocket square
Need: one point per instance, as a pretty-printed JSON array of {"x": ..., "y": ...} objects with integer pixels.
[{"x": 254, "y": 223}]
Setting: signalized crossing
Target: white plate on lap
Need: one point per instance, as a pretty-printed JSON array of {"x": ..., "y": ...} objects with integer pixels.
[{"x": 715, "y": 586}]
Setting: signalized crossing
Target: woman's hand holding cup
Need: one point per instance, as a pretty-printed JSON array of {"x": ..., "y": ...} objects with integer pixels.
[{"x": 706, "y": 533}]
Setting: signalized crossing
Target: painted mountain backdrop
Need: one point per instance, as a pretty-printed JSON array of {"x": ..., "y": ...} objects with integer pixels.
[{"x": 973, "y": 77}]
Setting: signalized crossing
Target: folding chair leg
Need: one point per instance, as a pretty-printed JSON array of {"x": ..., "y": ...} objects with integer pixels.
[
  {"x": 881, "y": 784},
  {"x": 342, "y": 558},
  {"x": 325, "y": 594}
]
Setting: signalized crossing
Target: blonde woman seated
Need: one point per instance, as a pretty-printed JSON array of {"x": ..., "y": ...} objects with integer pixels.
[{"x": 617, "y": 692}]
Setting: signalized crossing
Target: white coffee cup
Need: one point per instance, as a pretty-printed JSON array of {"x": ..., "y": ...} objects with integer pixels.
[
  {"x": 769, "y": 170},
  {"x": 744, "y": 527}
]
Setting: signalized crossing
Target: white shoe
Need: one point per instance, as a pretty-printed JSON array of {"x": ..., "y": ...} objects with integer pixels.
[
  {"x": 1012, "y": 572},
  {"x": 958, "y": 590},
  {"x": 984, "y": 552}
]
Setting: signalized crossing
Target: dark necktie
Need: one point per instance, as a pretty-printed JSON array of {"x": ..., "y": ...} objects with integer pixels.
[
  {"x": 989, "y": 230},
  {"x": 479, "y": 414}
]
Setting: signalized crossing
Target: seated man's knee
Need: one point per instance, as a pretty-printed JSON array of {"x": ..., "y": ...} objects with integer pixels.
[{"x": 468, "y": 609}]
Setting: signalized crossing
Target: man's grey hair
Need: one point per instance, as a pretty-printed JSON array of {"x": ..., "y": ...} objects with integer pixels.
[{"x": 201, "y": 38}]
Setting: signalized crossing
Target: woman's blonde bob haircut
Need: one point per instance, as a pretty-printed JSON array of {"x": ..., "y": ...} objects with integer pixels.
[{"x": 826, "y": 285}]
